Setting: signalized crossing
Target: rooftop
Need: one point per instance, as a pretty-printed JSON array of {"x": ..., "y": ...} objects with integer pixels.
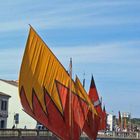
[
  {"x": 4, "y": 94},
  {"x": 11, "y": 82}
]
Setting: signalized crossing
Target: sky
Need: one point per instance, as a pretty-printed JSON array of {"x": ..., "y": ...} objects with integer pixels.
[{"x": 101, "y": 36}]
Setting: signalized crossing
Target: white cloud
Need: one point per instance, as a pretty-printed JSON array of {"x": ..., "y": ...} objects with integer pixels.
[
  {"x": 115, "y": 52},
  {"x": 67, "y": 15}
]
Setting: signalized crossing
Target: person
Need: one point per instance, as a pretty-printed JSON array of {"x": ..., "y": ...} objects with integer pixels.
[{"x": 13, "y": 127}]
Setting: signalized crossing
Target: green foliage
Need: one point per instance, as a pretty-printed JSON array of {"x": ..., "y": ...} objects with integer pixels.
[{"x": 135, "y": 121}]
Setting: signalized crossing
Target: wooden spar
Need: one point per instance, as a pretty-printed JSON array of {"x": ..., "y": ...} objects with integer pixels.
[
  {"x": 84, "y": 79},
  {"x": 70, "y": 101}
]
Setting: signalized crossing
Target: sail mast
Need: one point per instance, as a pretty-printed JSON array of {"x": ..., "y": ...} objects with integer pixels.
[
  {"x": 70, "y": 101},
  {"x": 84, "y": 79}
]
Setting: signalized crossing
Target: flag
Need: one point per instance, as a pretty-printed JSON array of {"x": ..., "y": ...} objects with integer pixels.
[
  {"x": 92, "y": 120},
  {"x": 44, "y": 88}
]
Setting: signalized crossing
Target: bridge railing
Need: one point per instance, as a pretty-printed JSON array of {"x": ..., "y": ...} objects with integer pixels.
[
  {"x": 45, "y": 133},
  {"x": 23, "y": 132},
  {"x": 134, "y": 135}
]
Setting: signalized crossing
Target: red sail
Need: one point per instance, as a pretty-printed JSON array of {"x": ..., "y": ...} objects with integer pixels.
[
  {"x": 93, "y": 95},
  {"x": 79, "y": 111},
  {"x": 53, "y": 116},
  {"x": 92, "y": 122},
  {"x": 104, "y": 119},
  {"x": 91, "y": 125}
]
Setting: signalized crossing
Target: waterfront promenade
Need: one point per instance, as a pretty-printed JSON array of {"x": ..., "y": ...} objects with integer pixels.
[{"x": 32, "y": 134}]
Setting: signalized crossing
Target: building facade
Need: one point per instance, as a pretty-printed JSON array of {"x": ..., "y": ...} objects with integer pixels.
[
  {"x": 17, "y": 118},
  {"x": 111, "y": 122},
  {"x": 4, "y": 98}
]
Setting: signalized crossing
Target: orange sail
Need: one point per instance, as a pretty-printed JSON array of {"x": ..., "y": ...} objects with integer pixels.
[
  {"x": 44, "y": 88},
  {"x": 93, "y": 95},
  {"x": 125, "y": 124},
  {"x": 92, "y": 121}
]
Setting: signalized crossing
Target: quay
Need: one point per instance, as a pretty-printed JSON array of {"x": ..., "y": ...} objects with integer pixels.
[{"x": 33, "y": 134}]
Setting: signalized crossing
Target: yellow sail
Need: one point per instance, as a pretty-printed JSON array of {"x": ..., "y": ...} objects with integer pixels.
[{"x": 41, "y": 69}]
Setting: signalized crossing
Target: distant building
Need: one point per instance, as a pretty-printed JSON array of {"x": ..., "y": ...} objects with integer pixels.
[
  {"x": 3, "y": 110},
  {"x": 126, "y": 115},
  {"x": 16, "y": 116},
  {"x": 111, "y": 122}
]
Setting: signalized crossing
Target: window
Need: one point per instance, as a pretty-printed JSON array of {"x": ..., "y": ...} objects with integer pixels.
[
  {"x": 2, "y": 124},
  {"x": 4, "y": 105}
]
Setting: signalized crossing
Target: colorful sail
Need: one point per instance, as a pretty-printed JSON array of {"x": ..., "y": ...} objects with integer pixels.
[
  {"x": 92, "y": 120},
  {"x": 44, "y": 88},
  {"x": 124, "y": 123},
  {"x": 92, "y": 123},
  {"x": 104, "y": 119},
  {"x": 93, "y": 95}
]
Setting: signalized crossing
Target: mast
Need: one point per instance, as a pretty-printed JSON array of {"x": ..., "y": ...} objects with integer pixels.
[
  {"x": 101, "y": 101},
  {"x": 70, "y": 101},
  {"x": 84, "y": 80}
]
